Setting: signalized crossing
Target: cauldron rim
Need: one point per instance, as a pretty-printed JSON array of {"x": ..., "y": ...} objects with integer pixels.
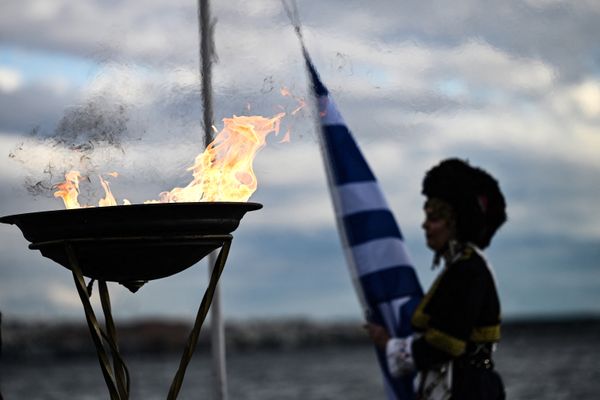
[
  {"x": 13, "y": 218},
  {"x": 131, "y": 231}
]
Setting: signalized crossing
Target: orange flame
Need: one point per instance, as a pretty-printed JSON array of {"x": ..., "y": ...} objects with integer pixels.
[
  {"x": 109, "y": 199},
  {"x": 287, "y": 137},
  {"x": 223, "y": 172},
  {"x": 285, "y": 92},
  {"x": 69, "y": 190}
]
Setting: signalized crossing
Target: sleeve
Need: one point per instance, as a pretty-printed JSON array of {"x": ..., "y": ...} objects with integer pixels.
[
  {"x": 453, "y": 312},
  {"x": 399, "y": 356}
]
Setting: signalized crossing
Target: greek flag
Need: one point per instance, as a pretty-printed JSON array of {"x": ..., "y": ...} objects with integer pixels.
[{"x": 383, "y": 276}]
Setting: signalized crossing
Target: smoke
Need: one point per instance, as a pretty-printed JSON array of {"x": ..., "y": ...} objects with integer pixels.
[
  {"x": 86, "y": 138},
  {"x": 131, "y": 119},
  {"x": 96, "y": 122},
  {"x": 144, "y": 123}
]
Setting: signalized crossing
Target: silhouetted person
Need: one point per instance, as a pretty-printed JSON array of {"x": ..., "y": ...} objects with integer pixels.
[{"x": 458, "y": 320}]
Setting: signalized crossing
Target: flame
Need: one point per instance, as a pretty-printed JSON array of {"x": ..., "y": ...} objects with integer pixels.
[
  {"x": 109, "y": 199},
  {"x": 69, "y": 190},
  {"x": 287, "y": 137},
  {"x": 285, "y": 92},
  {"x": 223, "y": 172}
]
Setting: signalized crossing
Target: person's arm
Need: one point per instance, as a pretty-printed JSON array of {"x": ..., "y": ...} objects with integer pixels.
[
  {"x": 454, "y": 310},
  {"x": 397, "y": 350}
]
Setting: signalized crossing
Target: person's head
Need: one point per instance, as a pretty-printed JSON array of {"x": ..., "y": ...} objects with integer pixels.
[
  {"x": 439, "y": 224},
  {"x": 464, "y": 203}
]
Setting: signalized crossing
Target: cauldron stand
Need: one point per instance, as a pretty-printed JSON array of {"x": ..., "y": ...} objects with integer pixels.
[{"x": 117, "y": 375}]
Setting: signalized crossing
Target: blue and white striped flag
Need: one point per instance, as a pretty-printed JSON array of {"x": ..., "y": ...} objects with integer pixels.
[{"x": 382, "y": 273}]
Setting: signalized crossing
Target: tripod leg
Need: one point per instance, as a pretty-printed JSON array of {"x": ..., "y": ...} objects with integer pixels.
[
  {"x": 121, "y": 372},
  {"x": 92, "y": 322},
  {"x": 200, "y": 317}
]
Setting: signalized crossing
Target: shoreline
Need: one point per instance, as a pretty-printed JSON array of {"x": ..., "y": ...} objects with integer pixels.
[{"x": 33, "y": 339}]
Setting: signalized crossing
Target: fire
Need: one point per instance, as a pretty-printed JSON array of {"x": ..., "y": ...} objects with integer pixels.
[
  {"x": 109, "y": 199},
  {"x": 69, "y": 190},
  {"x": 223, "y": 172},
  {"x": 285, "y": 92}
]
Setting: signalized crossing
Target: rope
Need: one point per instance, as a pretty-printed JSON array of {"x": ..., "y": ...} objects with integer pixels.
[{"x": 291, "y": 9}]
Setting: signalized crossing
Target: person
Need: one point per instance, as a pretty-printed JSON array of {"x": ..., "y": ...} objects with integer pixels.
[{"x": 457, "y": 323}]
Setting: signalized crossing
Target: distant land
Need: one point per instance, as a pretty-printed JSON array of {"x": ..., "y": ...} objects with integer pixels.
[{"x": 35, "y": 340}]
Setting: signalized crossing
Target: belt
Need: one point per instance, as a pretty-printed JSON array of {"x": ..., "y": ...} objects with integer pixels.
[{"x": 480, "y": 357}]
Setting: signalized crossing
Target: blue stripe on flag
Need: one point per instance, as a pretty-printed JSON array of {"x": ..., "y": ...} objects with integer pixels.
[
  {"x": 369, "y": 225},
  {"x": 347, "y": 162},
  {"x": 391, "y": 283}
]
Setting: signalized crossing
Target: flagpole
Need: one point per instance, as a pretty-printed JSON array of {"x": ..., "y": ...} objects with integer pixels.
[{"x": 206, "y": 25}]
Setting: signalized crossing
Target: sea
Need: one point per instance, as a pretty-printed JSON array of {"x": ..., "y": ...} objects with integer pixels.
[{"x": 550, "y": 361}]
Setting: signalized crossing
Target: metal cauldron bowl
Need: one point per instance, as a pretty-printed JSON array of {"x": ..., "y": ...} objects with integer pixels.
[{"x": 132, "y": 243}]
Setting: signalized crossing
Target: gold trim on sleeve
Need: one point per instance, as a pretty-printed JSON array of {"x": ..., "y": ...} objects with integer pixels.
[
  {"x": 485, "y": 333},
  {"x": 442, "y": 341}
]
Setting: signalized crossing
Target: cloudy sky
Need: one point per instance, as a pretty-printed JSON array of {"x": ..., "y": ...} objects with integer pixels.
[{"x": 513, "y": 86}]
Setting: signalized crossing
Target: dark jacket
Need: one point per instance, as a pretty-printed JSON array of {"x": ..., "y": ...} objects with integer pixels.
[{"x": 459, "y": 319}]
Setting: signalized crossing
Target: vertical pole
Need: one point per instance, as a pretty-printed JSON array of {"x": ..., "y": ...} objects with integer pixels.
[
  {"x": 206, "y": 25},
  {"x": 217, "y": 339},
  {"x": 206, "y": 59}
]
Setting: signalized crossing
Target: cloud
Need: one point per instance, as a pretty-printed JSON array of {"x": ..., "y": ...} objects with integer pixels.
[
  {"x": 582, "y": 98},
  {"x": 509, "y": 85},
  {"x": 10, "y": 80},
  {"x": 63, "y": 297},
  {"x": 34, "y": 105},
  {"x": 160, "y": 33}
]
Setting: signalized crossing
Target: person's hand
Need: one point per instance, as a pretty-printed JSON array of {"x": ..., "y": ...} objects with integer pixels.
[{"x": 379, "y": 335}]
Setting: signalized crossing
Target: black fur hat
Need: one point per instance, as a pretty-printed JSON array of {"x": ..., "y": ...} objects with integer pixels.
[{"x": 474, "y": 195}]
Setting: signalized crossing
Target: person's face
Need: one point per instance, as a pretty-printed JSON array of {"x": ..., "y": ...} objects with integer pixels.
[{"x": 437, "y": 229}]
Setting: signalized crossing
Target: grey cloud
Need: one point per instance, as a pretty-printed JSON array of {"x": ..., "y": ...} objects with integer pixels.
[
  {"x": 33, "y": 106},
  {"x": 564, "y": 35},
  {"x": 102, "y": 30},
  {"x": 561, "y": 34},
  {"x": 275, "y": 257}
]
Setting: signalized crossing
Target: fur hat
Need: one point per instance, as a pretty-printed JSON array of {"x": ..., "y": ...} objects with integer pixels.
[{"x": 474, "y": 195}]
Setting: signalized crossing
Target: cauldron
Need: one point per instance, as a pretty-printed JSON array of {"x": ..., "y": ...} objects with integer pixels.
[{"x": 135, "y": 242}]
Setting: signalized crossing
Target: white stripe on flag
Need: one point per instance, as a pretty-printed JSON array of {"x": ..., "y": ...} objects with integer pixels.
[
  {"x": 328, "y": 112},
  {"x": 360, "y": 196},
  {"x": 379, "y": 254}
]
